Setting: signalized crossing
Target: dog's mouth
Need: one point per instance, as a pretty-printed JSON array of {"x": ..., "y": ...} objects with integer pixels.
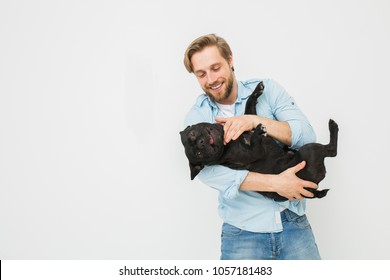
[
  {"x": 205, "y": 145},
  {"x": 211, "y": 139}
]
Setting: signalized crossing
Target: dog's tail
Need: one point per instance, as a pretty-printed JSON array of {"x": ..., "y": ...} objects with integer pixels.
[{"x": 332, "y": 146}]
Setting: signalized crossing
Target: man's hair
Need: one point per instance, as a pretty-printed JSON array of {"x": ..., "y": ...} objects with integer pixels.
[{"x": 206, "y": 41}]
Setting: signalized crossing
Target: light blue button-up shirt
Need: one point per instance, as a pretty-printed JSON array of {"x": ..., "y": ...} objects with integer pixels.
[{"x": 250, "y": 210}]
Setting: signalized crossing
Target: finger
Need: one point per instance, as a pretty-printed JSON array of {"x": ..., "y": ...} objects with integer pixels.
[
  {"x": 237, "y": 134},
  {"x": 221, "y": 120},
  {"x": 229, "y": 131},
  {"x": 312, "y": 185},
  {"x": 306, "y": 193},
  {"x": 226, "y": 124},
  {"x": 233, "y": 133},
  {"x": 308, "y": 185},
  {"x": 227, "y": 137},
  {"x": 298, "y": 167},
  {"x": 299, "y": 197}
]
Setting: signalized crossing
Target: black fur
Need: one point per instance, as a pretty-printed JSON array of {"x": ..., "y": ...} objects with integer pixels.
[{"x": 255, "y": 151}]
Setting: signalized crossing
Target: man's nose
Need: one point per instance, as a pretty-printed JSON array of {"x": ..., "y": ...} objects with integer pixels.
[{"x": 211, "y": 78}]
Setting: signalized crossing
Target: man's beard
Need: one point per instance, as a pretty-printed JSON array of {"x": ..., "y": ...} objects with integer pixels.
[{"x": 226, "y": 94}]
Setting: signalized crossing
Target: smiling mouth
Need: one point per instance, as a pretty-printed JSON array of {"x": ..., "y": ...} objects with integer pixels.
[{"x": 216, "y": 87}]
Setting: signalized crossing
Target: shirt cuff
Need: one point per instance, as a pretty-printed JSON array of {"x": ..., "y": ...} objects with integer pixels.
[
  {"x": 232, "y": 191},
  {"x": 296, "y": 134}
]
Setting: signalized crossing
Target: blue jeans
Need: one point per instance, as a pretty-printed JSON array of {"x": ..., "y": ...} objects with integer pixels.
[{"x": 295, "y": 242}]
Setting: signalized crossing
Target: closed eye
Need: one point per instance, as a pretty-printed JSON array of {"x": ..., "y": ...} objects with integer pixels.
[
  {"x": 192, "y": 136},
  {"x": 200, "y": 74}
]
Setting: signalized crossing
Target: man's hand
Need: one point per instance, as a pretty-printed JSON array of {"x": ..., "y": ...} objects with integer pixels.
[
  {"x": 235, "y": 126},
  {"x": 286, "y": 184}
]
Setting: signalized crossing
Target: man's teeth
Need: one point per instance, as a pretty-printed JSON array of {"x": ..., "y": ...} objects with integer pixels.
[{"x": 215, "y": 87}]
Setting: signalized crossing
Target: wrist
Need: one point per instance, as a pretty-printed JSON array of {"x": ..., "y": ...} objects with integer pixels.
[
  {"x": 258, "y": 182},
  {"x": 256, "y": 121}
]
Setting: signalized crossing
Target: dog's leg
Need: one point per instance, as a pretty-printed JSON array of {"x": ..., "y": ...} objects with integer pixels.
[
  {"x": 317, "y": 193},
  {"x": 250, "y": 108}
]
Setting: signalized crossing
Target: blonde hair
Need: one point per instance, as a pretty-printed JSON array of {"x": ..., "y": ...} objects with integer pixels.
[{"x": 206, "y": 41}]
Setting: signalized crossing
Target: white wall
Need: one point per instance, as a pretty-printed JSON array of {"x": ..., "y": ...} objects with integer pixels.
[{"x": 93, "y": 96}]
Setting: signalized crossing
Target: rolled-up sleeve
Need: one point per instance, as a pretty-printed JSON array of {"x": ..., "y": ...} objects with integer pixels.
[
  {"x": 279, "y": 105},
  {"x": 226, "y": 180},
  {"x": 223, "y": 179},
  {"x": 285, "y": 109},
  {"x": 301, "y": 134}
]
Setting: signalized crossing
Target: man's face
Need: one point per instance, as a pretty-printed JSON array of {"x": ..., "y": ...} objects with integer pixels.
[{"x": 215, "y": 75}]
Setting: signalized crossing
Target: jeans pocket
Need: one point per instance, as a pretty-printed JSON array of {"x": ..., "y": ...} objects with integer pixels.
[
  {"x": 298, "y": 221},
  {"x": 302, "y": 222},
  {"x": 230, "y": 231}
]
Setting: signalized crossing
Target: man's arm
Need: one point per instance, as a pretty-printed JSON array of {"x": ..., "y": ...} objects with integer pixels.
[
  {"x": 286, "y": 184},
  {"x": 235, "y": 126}
]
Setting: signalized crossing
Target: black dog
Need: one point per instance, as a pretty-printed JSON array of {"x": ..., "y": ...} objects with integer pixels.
[{"x": 255, "y": 151}]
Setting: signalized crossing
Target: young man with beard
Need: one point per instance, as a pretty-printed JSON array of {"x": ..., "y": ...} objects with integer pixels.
[{"x": 254, "y": 227}]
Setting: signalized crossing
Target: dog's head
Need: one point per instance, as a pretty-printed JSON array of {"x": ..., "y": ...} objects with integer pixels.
[{"x": 203, "y": 144}]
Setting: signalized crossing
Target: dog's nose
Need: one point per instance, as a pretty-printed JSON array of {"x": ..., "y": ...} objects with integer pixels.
[{"x": 200, "y": 143}]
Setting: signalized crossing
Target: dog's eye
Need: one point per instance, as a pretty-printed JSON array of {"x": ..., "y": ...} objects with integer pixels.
[{"x": 192, "y": 135}]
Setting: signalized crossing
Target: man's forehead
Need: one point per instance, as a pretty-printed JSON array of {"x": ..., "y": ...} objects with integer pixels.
[{"x": 206, "y": 58}]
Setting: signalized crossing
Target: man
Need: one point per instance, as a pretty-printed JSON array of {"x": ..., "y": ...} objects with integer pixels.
[{"x": 255, "y": 227}]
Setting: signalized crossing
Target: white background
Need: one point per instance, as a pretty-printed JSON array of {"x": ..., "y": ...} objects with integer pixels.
[{"x": 93, "y": 95}]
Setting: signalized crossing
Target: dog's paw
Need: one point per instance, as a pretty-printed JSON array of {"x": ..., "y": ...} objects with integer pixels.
[
  {"x": 261, "y": 130},
  {"x": 317, "y": 193},
  {"x": 258, "y": 90},
  {"x": 321, "y": 193}
]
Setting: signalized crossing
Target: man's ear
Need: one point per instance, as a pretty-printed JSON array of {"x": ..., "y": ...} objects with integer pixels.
[
  {"x": 195, "y": 169},
  {"x": 231, "y": 64}
]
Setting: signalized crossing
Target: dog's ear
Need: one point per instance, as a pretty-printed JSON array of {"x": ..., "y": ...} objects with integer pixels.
[
  {"x": 183, "y": 135},
  {"x": 195, "y": 169}
]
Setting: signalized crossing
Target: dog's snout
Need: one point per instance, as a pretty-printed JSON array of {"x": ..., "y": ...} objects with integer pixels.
[{"x": 200, "y": 143}]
